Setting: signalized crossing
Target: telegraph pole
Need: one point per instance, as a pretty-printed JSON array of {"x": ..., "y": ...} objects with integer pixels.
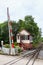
[{"x": 10, "y": 30}]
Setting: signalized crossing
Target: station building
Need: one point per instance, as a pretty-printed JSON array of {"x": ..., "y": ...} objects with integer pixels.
[{"x": 24, "y": 39}]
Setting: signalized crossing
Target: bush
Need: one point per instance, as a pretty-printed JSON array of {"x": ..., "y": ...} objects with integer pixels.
[
  {"x": 35, "y": 45},
  {"x": 15, "y": 43},
  {"x": 19, "y": 49},
  {"x": 7, "y": 46}
]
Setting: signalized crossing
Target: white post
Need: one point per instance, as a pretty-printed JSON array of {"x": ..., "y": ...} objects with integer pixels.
[
  {"x": 2, "y": 45},
  {"x": 10, "y": 31},
  {"x": 9, "y": 28}
]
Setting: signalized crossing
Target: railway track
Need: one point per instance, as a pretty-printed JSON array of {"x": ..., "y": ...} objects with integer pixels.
[
  {"x": 34, "y": 57},
  {"x": 20, "y": 58},
  {"x": 32, "y": 54}
]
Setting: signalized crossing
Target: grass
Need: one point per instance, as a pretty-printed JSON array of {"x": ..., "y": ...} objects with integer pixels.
[{"x": 35, "y": 45}]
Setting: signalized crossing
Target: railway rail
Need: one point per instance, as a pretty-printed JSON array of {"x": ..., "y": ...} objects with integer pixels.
[
  {"x": 32, "y": 54},
  {"x": 20, "y": 58},
  {"x": 34, "y": 57}
]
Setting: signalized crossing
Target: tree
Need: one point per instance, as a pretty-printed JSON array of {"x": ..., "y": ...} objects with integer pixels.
[
  {"x": 28, "y": 23},
  {"x": 32, "y": 27},
  {"x": 4, "y": 31},
  {"x": 21, "y": 25}
]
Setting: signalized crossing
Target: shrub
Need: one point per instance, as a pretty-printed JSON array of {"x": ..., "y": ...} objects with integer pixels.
[
  {"x": 19, "y": 49},
  {"x": 35, "y": 45},
  {"x": 7, "y": 46},
  {"x": 15, "y": 43}
]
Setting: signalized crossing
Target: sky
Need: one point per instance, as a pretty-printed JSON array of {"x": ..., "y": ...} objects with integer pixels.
[{"x": 18, "y": 9}]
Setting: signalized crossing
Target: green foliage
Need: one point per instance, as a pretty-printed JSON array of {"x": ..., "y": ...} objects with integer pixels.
[
  {"x": 28, "y": 24},
  {"x": 41, "y": 39},
  {"x": 19, "y": 49},
  {"x": 7, "y": 46},
  {"x": 15, "y": 44},
  {"x": 21, "y": 25},
  {"x": 4, "y": 32},
  {"x": 35, "y": 45}
]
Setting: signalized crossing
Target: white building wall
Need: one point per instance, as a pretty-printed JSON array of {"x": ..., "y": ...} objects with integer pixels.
[
  {"x": 18, "y": 40},
  {"x": 26, "y": 41},
  {"x": 23, "y": 41}
]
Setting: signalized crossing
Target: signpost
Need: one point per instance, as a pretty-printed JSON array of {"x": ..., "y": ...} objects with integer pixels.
[{"x": 10, "y": 30}]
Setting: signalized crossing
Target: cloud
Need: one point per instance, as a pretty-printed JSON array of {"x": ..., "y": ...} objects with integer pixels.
[{"x": 20, "y": 8}]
